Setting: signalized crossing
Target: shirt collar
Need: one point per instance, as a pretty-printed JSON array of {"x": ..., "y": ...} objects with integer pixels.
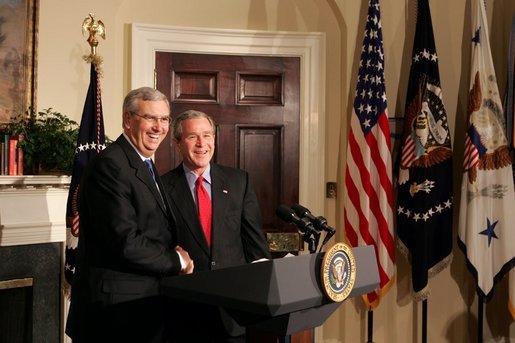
[
  {"x": 143, "y": 158},
  {"x": 192, "y": 177}
]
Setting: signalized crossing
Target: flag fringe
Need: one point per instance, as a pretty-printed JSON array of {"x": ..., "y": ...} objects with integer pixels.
[
  {"x": 436, "y": 269},
  {"x": 403, "y": 249},
  {"x": 96, "y": 60},
  {"x": 422, "y": 295},
  {"x": 66, "y": 289},
  {"x": 444, "y": 263}
]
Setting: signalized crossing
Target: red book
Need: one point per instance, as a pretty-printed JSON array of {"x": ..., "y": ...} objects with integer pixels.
[
  {"x": 2, "y": 158},
  {"x": 19, "y": 162},
  {"x": 19, "y": 155},
  {"x": 12, "y": 162}
]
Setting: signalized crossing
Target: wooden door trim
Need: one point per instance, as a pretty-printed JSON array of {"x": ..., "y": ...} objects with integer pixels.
[{"x": 147, "y": 39}]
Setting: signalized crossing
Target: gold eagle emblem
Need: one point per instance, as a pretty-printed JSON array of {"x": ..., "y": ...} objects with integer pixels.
[
  {"x": 93, "y": 28},
  {"x": 490, "y": 130}
]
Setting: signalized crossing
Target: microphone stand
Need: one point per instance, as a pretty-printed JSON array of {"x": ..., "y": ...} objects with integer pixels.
[{"x": 312, "y": 242}]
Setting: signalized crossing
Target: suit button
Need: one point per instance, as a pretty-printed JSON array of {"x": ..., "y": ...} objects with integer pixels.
[{"x": 213, "y": 263}]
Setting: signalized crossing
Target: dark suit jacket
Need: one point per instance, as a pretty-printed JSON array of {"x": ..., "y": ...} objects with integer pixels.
[
  {"x": 237, "y": 235},
  {"x": 126, "y": 244}
]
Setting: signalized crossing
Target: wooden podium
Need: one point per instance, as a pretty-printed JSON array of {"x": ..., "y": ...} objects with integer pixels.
[{"x": 281, "y": 296}]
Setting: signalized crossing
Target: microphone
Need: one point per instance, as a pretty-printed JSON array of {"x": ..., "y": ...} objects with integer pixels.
[
  {"x": 304, "y": 225},
  {"x": 319, "y": 222},
  {"x": 310, "y": 234}
]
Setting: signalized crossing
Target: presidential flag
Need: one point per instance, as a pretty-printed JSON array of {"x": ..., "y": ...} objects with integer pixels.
[
  {"x": 424, "y": 203},
  {"x": 368, "y": 193},
  {"x": 90, "y": 142},
  {"x": 487, "y": 214}
]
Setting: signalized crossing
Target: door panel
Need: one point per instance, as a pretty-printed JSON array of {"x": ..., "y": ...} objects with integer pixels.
[{"x": 254, "y": 101}]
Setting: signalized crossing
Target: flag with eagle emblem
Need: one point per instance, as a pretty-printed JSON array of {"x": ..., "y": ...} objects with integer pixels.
[
  {"x": 424, "y": 202},
  {"x": 487, "y": 196}
]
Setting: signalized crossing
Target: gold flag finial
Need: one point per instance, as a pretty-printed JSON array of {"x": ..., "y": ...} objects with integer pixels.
[{"x": 93, "y": 27}]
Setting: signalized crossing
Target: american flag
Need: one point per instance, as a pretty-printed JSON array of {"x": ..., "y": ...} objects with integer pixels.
[
  {"x": 424, "y": 201},
  {"x": 486, "y": 234},
  {"x": 90, "y": 142},
  {"x": 368, "y": 176}
]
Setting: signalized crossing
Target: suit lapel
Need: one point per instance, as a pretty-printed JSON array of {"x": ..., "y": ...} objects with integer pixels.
[
  {"x": 219, "y": 196},
  {"x": 142, "y": 172},
  {"x": 181, "y": 196}
]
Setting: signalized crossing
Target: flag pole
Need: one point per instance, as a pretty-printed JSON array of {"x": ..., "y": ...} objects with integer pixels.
[
  {"x": 90, "y": 141},
  {"x": 424, "y": 321},
  {"x": 479, "y": 318},
  {"x": 370, "y": 326}
]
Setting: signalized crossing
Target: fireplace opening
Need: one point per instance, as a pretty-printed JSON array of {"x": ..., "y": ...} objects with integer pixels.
[
  {"x": 16, "y": 298},
  {"x": 37, "y": 300}
]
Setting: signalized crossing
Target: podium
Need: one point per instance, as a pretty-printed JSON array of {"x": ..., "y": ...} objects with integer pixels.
[{"x": 280, "y": 296}]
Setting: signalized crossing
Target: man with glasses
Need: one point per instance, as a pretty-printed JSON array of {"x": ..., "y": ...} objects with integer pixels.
[{"x": 128, "y": 238}]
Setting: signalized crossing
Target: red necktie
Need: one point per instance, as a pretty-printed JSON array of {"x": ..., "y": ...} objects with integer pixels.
[{"x": 204, "y": 208}]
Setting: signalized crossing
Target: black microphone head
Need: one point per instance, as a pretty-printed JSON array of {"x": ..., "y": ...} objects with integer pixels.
[
  {"x": 321, "y": 221},
  {"x": 285, "y": 213},
  {"x": 289, "y": 216},
  {"x": 300, "y": 210}
]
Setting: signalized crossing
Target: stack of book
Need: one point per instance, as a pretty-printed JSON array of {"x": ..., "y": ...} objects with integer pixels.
[{"x": 11, "y": 160}]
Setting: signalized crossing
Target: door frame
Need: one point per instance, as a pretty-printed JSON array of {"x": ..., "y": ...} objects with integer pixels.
[{"x": 147, "y": 39}]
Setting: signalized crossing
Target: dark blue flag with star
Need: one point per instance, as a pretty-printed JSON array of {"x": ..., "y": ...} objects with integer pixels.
[
  {"x": 424, "y": 202},
  {"x": 90, "y": 142},
  {"x": 486, "y": 234}
]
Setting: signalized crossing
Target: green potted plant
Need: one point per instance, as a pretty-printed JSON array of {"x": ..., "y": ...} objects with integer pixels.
[{"x": 48, "y": 141}]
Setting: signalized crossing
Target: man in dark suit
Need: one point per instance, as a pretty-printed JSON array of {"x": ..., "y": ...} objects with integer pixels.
[
  {"x": 235, "y": 235},
  {"x": 127, "y": 239}
]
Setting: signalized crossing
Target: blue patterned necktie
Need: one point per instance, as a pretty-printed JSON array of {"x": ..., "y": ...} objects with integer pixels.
[{"x": 148, "y": 162}]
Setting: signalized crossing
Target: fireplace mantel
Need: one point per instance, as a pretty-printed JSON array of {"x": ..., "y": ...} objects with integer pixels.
[{"x": 33, "y": 209}]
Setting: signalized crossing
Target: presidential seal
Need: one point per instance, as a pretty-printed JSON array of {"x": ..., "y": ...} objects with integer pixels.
[{"x": 338, "y": 272}]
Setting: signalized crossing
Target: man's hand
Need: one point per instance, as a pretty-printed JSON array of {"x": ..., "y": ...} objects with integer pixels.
[{"x": 187, "y": 260}]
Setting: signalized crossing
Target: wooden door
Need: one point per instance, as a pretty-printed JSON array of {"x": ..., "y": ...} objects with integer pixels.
[{"x": 254, "y": 101}]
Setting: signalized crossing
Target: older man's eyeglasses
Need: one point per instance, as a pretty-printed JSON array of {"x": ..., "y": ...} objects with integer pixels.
[{"x": 155, "y": 119}]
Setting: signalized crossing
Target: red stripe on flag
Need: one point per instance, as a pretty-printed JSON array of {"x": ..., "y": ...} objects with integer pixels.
[
  {"x": 408, "y": 153},
  {"x": 471, "y": 154},
  {"x": 361, "y": 190}
]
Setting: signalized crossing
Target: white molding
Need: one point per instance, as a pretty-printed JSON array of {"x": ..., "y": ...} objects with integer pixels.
[
  {"x": 34, "y": 180},
  {"x": 32, "y": 233},
  {"x": 33, "y": 209},
  {"x": 310, "y": 47}
]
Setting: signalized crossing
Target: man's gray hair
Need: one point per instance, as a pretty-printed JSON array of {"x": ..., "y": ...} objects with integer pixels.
[{"x": 130, "y": 103}]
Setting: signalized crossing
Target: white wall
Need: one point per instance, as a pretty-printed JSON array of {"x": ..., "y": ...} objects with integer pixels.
[{"x": 63, "y": 79}]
